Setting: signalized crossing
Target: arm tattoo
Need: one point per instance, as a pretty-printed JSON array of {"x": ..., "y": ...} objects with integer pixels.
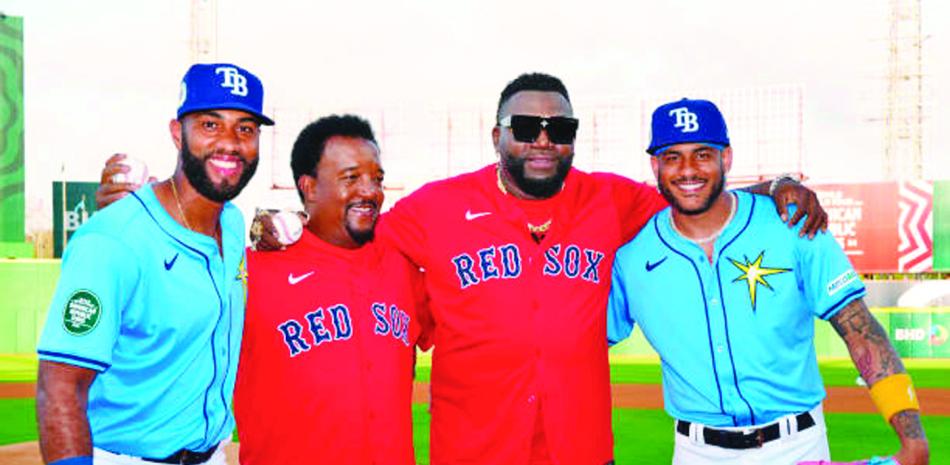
[
  {"x": 864, "y": 363},
  {"x": 907, "y": 425},
  {"x": 872, "y": 352}
]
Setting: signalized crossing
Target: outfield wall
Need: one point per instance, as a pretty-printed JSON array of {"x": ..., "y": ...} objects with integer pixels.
[{"x": 28, "y": 285}]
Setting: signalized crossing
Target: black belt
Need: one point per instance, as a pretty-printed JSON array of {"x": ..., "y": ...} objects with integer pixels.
[
  {"x": 186, "y": 457},
  {"x": 744, "y": 440}
]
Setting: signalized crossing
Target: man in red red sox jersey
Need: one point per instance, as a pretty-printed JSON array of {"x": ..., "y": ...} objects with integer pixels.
[
  {"x": 326, "y": 365},
  {"x": 517, "y": 259}
]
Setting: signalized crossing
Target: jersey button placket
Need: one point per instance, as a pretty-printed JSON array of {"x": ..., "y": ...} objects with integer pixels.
[
  {"x": 714, "y": 307},
  {"x": 717, "y": 331}
]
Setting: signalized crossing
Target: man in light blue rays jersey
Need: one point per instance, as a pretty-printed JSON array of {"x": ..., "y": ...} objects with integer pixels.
[
  {"x": 140, "y": 349},
  {"x": 726, "y": 293}
]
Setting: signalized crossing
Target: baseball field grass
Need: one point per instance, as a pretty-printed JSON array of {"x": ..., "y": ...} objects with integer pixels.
[
  {"x": 641, "y": 436},
  {"x": 931, "y": 373}
]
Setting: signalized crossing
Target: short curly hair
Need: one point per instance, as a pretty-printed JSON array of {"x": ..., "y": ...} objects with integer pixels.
[{"x": 312, "y": 140}]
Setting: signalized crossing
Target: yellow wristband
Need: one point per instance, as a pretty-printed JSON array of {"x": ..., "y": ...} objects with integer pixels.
[{"x": 894, "y": 394}]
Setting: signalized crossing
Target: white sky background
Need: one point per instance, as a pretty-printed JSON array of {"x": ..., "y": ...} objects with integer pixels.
[{"x": 102, "y": 76}]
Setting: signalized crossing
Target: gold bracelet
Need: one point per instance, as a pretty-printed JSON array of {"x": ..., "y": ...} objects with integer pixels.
[{"x": 894, "y": 394}]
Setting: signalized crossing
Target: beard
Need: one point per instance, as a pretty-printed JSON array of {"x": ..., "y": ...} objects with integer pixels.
[
  {"x": 717, "y": 189},
  {"x": 194, "y": 169},
  {"x": 540, "y": 188},
  {"x": 360, "y": 236}
]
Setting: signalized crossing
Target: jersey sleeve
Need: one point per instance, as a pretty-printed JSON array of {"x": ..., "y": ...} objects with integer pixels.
[
  {"x": 827, "y": 275},
  {"x": 620, "y": 321},
  {"x": 636, "y": 203},
  {"x": 96, "y": 282},
  {"x": 403, "y": 227}
]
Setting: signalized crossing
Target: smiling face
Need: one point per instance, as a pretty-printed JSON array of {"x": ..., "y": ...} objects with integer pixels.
[
  {"x": 218, "y": 151},
  {"x": 692, "y": 176},
  {"x": 536, "y": 169},
  {"x": 346, "y": 193}
]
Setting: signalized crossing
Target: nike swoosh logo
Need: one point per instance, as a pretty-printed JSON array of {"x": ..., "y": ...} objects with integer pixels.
[
  {"x": 471, "y": 216},
  {"x": 170, "y": 263},
  {"x": 296, "y": 279},
  {"x": 651, "y": 266}
]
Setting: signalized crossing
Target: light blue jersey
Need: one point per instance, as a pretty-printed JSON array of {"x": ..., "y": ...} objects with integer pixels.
[
  {"x": 735, "y": 337},
  {"x": 155, "y": 309}
]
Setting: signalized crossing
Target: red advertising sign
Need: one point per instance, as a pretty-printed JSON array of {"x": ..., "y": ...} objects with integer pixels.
[
  {"x": 863, "y": 218},
  {"x": 882, "y": 227}
]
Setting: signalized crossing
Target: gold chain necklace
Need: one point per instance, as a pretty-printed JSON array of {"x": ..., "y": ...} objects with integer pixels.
[
  {"x": 536, "y": 231},
  {"x": 713, "y": 236},
  {"x": 181, "y": 211},
  {"x": 540, "y": 229},
  {"x": 501, "y": 185}
]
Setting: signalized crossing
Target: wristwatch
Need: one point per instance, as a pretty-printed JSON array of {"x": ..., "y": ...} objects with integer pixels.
[{"x": 782, "y": 177}]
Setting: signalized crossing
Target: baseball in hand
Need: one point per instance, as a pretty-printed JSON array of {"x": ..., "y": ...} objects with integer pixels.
[
  {"x": 288, "y": 226},
  {"x": 138, "y": 172}
]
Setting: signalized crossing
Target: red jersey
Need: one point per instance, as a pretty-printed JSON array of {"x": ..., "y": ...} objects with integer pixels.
[
  {"x": 520, "y": 327},
  {"x": 326, "y": 365}
]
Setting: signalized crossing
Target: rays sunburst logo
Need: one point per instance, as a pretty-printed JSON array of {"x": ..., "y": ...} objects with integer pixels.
[{"x": 754, "y": 273}]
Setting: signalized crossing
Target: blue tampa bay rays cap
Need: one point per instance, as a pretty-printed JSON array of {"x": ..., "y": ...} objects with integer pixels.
[
  {"x": 223, "y": 86},
  {"x": 687, "y": 121}
]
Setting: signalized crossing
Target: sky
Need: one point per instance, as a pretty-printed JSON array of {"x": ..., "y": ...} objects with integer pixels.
[{"x": 101, "y": 76}]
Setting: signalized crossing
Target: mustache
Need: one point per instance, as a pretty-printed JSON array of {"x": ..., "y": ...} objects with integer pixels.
[
  {"x": 231, "y": 155},
  {"x": 689, "y": 178},
  {"x": 363, "y": 203}
]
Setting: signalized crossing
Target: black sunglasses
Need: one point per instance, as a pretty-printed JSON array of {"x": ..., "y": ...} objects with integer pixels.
[{"x": 527, "y": 128}]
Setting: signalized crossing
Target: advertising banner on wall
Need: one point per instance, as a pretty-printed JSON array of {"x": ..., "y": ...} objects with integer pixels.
[
  {"x": 73, "y": 204},
  {"x": 883, "y": 227},
  {"x": 920, "y": 333},
  {"x": 12, "y": 203}
]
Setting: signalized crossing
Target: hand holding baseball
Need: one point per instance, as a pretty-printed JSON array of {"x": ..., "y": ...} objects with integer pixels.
[
  {"x": 288, "y": 227},
  {"x": 120, "y": 176},
  {"x": 275, "y": 229}
]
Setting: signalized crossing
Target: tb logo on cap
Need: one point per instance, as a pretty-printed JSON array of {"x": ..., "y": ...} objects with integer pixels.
[
  {"x": 238, "y": 83},
  {"x": 685, "y": 119}
]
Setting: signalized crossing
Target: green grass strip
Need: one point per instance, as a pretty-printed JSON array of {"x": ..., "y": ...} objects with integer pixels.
[
  {"x": 19, "y": 420},
  {"x": 834, "y": 372},
  {"x": 927, "y": 373}
]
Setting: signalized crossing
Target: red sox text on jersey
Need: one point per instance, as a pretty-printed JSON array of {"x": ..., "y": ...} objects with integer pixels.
[
  {"x": 504, "y": 262},
  {"x": 392, "y": 322}
]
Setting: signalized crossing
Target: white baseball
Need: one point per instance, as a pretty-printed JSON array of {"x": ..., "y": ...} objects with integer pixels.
[
  {"x": 138, "y": 172},
  {"x": 288, "y": 226}
]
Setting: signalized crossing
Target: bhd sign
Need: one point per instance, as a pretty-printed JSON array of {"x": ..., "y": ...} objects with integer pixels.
[
  {"x": 910, "y": 334},
  {"x": 919, "y": 332},
  {"x": 73, "y": 204}
]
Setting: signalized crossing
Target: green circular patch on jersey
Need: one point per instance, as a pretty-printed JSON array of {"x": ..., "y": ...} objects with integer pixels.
[{"x": 82, "y": 313}]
